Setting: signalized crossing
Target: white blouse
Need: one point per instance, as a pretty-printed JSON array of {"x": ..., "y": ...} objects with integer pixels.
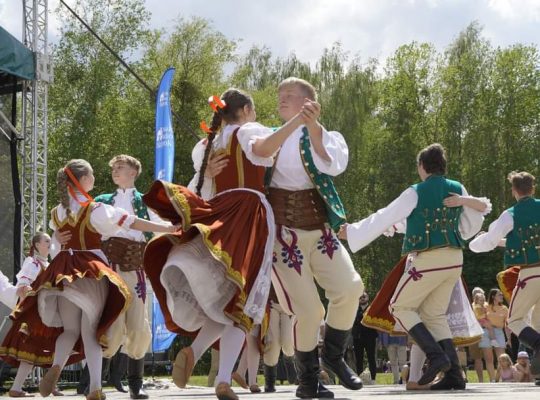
[
  {"x": 361, "y": 233},
  {"x": 30, "y": 270},
  {"x": 106, "y": 219},
  {"x": 8, "y": 292}
]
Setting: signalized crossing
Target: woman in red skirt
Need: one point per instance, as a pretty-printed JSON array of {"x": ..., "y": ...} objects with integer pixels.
[
  {"x": 77, "y": 298},
  {"x": 213, "y": 276}
]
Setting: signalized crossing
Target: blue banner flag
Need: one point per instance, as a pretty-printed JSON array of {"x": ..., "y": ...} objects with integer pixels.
[{"x": 163, "y": 169}]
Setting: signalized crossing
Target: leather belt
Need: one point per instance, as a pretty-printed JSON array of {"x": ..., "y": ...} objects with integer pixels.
[
  {"x": 126, "y": 253},
  {"x": 301, "y": 209}
]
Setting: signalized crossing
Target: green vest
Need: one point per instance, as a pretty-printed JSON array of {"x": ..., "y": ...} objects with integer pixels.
[
  {"x": 323, "y": 183},
  {"x": 523, "y": 242},
  {"x": 138, "y": 206},
  {"x": 431, "y": 224}
]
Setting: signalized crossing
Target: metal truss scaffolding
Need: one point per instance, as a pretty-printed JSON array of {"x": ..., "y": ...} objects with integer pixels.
[{"x": 34, "y": 122}]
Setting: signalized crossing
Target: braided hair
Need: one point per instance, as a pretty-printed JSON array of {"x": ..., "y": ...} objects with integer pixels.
[
  {"x": 234, "y": 100},
  {"x": 78, "y": 168},
  {"x": 35, "y": 240}
]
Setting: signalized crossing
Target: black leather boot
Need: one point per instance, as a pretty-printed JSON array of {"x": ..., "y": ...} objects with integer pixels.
[
  {"x": 453, "y": 378},
  {"x": 84, "y": 381},
  {"x": 292, "y": 377},
  {"x": 135, "y": 379},
  {"x": 530, "y": 338},
  {"x": 438, "y": 361},
  {"x": 270, "y": 378},
  {"x": 117, "y": 371},
  {"x": 335, "y": 343},
  {"x": 307, "y": 367}
]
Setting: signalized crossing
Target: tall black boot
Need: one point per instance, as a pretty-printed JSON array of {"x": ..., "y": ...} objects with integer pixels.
[
  {"x": 438, "y": 361},
  {"x": 292, "y": 377},
  {"x": 270, "y": 378},
  {"x": 84, "y": 381},
  {"x": 307, "y": 367},
  {"x": 117, "y": 371},
  {"x": 335, "y": 343},
  {"x": 530, "y": 338},
  {"x": 135, "y": 378},
  {"x": 453, "y": 378}
]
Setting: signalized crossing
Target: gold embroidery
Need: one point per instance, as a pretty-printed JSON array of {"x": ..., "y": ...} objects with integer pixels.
[{"x": 179, "y": 202}]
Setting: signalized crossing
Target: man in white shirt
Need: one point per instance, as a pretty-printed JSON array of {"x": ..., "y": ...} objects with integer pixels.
[{"x": 307, "y": 209}]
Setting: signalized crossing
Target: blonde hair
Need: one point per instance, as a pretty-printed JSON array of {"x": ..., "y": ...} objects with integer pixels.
[
  {"x": 306, "y": 87},
  {"x": 129, "y": 160},
  {"x": 78, "y": 168},
  {"x": 505, "y": 357}
]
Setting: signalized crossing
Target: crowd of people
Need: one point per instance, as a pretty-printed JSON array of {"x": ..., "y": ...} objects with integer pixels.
[{"x": 238, "y": 255}]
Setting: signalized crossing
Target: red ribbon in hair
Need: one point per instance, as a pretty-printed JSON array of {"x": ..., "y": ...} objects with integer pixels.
[
  {"x": 79, "y": 188},
  {"x": 205, "y": 127},
  {"x": 216, "y": 103}
]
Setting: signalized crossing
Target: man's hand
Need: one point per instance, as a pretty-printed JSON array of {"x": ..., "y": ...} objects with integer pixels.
[
  {"x": 216, "y": 164},
  {"x": 311, "y": 111},
  {"x": 22, "y": 291},
  {"x": 62, "y": 237},
  {"x": 342, "y": 234},
  {"x": 454, "y": 200}
]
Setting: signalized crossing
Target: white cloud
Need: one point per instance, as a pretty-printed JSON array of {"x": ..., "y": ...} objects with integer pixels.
[{"x": 371, "y": 28}]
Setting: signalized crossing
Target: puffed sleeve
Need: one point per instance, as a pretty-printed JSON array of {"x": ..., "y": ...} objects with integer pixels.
[
  {"x": 361, "y": 233},
  {"x": 109, "y": 220},
  {"x": 470, "y": 220},
  {"x": 55, "y": 244},
  {"x": 8, "y": 292},
  {"x": 498, "y": 230},
  {"x": 247, "y": 135},
  {"x": 338, "y": 151},
  {"x": 29, "y": 272},
  {"x": 197, "y": 155}
]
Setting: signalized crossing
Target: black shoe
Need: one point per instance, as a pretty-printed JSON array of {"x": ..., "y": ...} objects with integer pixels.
[
  {"x": 453, "y": 378},
  {"x": 291, "y": 370},
  {"x": 307, "y": 367},
  {"x": 335, "y": 342},
  {"x": 270, "y": 378},
  {"x": 438, "y": 361},
  {"x": 135, "y": 370},
  {"x": 530, "y": 338},
  {"x": 537, "y": 382}
]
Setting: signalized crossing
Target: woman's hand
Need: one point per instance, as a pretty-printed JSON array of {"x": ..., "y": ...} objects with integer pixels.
[
  {"x": 454, "y": 200},
  {"x": 22, "y": 291},
  {"x": 342, "y": 233},
  {"x": 62, "y": 237},
  {"x": 216, "y": 164}
]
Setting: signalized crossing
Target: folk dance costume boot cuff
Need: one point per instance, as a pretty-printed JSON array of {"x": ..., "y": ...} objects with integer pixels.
[
  {"x": 307, "y": 366},
  {"x": 333, "y": 351},
  {"x": 270, "y": 378},
  {"x": 135, "y": 379},
  {"x": 530, "y": 338},
  {"x": 438, "y": 361},
  {"x": 453, "y": 378}
]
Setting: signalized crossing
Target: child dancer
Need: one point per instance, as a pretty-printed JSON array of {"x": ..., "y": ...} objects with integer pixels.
[{"x": 78, "y": 296}]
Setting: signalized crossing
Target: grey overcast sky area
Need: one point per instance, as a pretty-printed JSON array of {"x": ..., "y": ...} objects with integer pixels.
[{"x": 368, "y": 28}]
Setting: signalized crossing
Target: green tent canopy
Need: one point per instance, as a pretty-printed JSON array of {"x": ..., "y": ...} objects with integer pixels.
[{"x": 15, "y": 59}]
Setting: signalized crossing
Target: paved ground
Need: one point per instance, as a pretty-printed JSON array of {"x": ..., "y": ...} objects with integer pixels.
[{"x": 494, "y": 391}]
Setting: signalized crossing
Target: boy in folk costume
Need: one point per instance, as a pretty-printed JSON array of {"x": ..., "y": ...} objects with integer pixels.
[
  {"x": 518, "y": 230},
  {"x": 125, "y": 252},
  {"x": 434, "y": 238},
  {"x": 307, "y": 209}
]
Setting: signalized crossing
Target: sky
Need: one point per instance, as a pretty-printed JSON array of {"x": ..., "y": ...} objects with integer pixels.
[{"x": 368, "y": 28}]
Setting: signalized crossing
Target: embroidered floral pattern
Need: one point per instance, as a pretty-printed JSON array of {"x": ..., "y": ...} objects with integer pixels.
[
  {"x": 328, "y": 243},
  {"x": 290, "y": 253},
  {"x": 140, "y": 287},
  {"x": 415, "y": 275}
]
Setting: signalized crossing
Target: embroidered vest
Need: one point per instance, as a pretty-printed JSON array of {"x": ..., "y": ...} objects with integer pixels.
[
  {"x": 323, "y": 183},
  {"x": 523, "y": 242},
  {"x": 138, "y": 207},
  {"x": 431, "y": 224},
  {"x": 83, "y": 234}
]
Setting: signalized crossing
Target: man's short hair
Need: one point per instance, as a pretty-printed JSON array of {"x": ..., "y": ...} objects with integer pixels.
[
  {"x": 129, "y": 160},
  {"x": 522, "y": 182},
  {"x": 433, "y": 159},
  {"x": 305, "y": 86}
]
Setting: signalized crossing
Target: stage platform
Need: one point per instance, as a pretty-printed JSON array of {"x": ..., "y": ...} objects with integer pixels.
[{"x": 507, "y": 391}]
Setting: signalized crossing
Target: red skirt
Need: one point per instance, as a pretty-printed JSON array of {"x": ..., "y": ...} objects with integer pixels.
[
  {"x": 30, "y": 340},
  {"x": 235, "y": 230}
]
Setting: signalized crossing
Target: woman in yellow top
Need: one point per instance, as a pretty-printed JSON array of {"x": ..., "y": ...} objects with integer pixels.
[{"x": 497, "y": 313}]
